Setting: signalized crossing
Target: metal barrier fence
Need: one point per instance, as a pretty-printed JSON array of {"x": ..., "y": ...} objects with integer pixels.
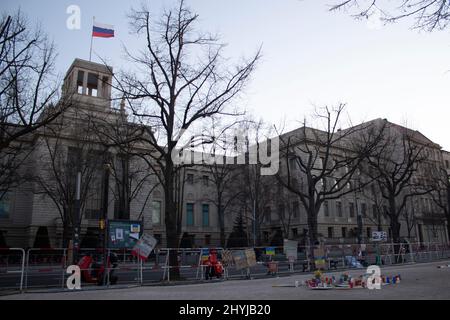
[
  {"x": 12, "y": 269},
  {"x": 22, "y": 270}
]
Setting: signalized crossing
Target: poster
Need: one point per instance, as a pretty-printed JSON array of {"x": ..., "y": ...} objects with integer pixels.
[
  {"x": 290, "y": 249},
  {"x": 119, "y": 234},
  {"x": 379, "y": 236},
  {"x": 251, "y": 257},
  {"x": 244, "y": 258},
  {"x": 270, "y": 251},
  {"x": 144, "y": 246},
  {"x": 240, "y": 260},
  {"x": 135, "y": 228},
  {"x": 320, "y": 259},
  {"x": 227, "y": 258},
  {"x": 205, "y": 255}
]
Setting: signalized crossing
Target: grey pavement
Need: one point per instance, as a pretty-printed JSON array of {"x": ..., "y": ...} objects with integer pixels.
[{"x": 419, "y": 281}]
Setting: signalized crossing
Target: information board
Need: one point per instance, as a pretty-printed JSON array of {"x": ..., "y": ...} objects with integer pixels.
[{"x": 123, "y": 234}]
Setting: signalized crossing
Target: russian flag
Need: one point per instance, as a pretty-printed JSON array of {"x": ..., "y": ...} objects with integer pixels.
[{"x": 103, "y": 30}]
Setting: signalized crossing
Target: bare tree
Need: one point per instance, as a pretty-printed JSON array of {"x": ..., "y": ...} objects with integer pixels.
[
  {"x": 181, "y": 79},
  {"x": 28, "y": 92},
  {"x": 397, "y": 167},
  {"x": 373, "y": 195},
  {"x": 441, "y": 192},
  {"x": 256, "y": 189},
  {"x": 323, "y": 165},
  {"x": 66, "y": 147},
  {"x": 129, "y": 172},
  {"x": 428, "y": 14}
]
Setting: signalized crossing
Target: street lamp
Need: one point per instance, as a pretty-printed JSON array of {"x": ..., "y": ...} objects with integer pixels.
[
  {"x": 76, "y": 219},
  {"x": 358, "y": 217},
  {"x": 104, "y": 218}
]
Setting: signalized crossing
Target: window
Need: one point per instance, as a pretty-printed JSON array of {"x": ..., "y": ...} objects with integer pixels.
[
  {"x": 447, "y": 165},
  {"x": 369, "y": 233},
  {"x": 190, "y": 214},
  {"x": 190, "y": 178},
  {"x": 294, "y": 232},
  {"x": 156, "y": 212},
  {"x": 93, "y": 204},
  {"x": 92, "y": 85},
  {"x": 363, "y": 210},
  {"x": 267, "y": 214},
  {"x": 105, "y": 84},
  {"x": 351, "y": 209},
  {"x": 5, "y": 207},
  {"x": 374, "y": 211},
  {"x": 205, "y": 215},
  {"x": 330, "y": 232},
  {"x": 207, "y": 239},
  {"x": 205, "y": 180},
  {"x": 344, "y": 232},
  {"x": 295, "y": 209},
  {"x": 80, "y": 80},
  {"x": 158, "y": 238},
  {"x": 266, "y": 236},
  {"x": 292, "y": 164},
  {"x": 339, "y": 208},
  {"x": 326, "y": 210},
  {"x": 281, "y": 211}
]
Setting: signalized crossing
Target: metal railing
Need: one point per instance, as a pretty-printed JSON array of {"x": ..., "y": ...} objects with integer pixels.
[{"x": 22, "y": 270}]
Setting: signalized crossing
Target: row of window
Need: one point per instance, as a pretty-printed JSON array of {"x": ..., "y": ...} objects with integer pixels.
[
  {"x": 351, "y": 209},
  {"x": 190, "y": 214},
  {"x": 190, "y": 179},
  {"x": 92, "y": 85},
  {"x": 339, "y": 210}
]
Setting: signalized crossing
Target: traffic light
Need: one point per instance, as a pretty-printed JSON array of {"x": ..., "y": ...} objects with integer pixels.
[{"x": 101, "y": 223}]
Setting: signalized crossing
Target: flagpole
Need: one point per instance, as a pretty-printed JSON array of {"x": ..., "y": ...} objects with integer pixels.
[{"x": 92, "y": 39}]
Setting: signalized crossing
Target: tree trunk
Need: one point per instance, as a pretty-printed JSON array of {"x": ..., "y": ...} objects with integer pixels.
[
  {"x": 312, "y": 232},
  {"x": 221, "y": 222},
  {"x": 448, "y": 224},
  {"x": 395, "y": 229},
  {"x": 172, "y": 233}
]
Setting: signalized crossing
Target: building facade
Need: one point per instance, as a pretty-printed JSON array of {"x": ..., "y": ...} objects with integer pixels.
[{"x": 115, "y": 185}]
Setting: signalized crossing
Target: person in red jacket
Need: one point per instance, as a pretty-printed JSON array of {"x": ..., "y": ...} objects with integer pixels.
[{"x": 213, "y": 266}]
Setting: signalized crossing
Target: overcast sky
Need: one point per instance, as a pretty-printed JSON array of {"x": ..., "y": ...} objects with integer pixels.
[{"x": 311, "y": 57}]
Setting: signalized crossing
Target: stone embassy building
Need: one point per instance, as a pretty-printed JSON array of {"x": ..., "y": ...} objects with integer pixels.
[{"x": 35, "y": 211}]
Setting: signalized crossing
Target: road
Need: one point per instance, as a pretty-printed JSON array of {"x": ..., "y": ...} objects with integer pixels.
[{"x": 419, "y": 281}]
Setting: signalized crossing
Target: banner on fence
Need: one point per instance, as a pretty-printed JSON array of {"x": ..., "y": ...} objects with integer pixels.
[
  {"x": 320, "y": 259},
  {"x": 270, "y": 251},
  {"x": 244, "y": 258},
  {"x": 240, "y": 261},
  {"x": 251, "y": 257},
  {"x": 227, "y": 258},
  {"x": 379, "y": 236},
  {"x": 144, "y": 246},
  {"x": 290, "y": 249}
]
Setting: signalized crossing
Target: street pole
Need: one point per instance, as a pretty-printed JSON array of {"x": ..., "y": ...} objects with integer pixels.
[
  {"x": 359, "y": 220},
  {"x": 254, "y": 223},
  {"x": 76, "y": 219},
  {"x": 105, "y": 218}
]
